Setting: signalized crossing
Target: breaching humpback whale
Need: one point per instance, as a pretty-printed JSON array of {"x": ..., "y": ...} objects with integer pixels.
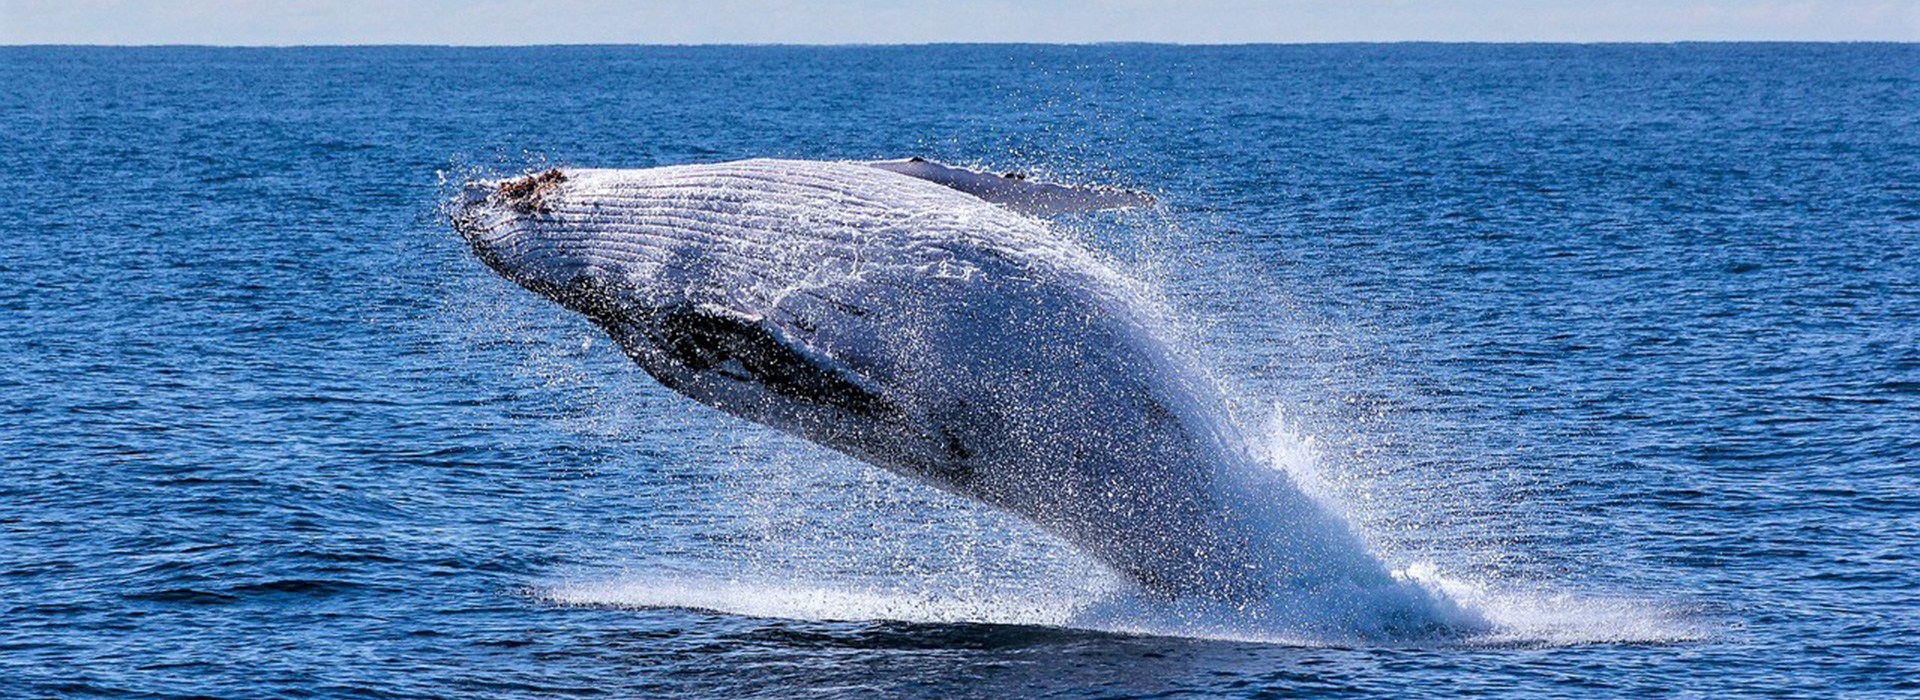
[{"x": 917, "y": 317}]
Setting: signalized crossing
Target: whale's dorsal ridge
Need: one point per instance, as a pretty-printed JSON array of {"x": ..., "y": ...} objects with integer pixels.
[{"x": 1015, "y": 191}]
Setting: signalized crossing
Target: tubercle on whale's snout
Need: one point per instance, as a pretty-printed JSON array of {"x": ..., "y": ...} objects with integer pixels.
[
  {"x": 524, "y": 195},
  {"x": 487, "y": 210},
  {"x": 528, "y": 193}
]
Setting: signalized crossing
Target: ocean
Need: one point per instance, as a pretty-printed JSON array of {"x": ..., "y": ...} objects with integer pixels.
[{"x": 1618, "y": 345}]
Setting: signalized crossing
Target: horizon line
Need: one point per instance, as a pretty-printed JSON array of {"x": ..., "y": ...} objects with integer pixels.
[{"x": 856, "y": 44}]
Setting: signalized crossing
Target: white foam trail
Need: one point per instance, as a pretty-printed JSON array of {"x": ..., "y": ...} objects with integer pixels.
[
  {"x": 1112, "y": 611},
  {"x": 826, "y": 603},
  {"x": 1519, "y": 619},
  {"x": 1550, "y": 618}
]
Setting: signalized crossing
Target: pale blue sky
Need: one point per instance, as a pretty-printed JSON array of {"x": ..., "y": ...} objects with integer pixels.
[{"x": 911, "y": 21}]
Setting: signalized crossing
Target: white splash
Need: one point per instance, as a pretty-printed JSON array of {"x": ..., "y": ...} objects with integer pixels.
[{"x": 1519, "y": 619}]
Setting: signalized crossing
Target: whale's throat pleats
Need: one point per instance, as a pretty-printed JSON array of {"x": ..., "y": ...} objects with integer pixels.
[{"x": 701, "y": 339}]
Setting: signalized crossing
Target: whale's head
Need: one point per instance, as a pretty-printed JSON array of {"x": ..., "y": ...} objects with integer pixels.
[{"x": 689, "y": 306}]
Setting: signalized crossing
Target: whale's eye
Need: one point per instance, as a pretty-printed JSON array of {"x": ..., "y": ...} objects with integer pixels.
[{"x": 747, "y": 349}]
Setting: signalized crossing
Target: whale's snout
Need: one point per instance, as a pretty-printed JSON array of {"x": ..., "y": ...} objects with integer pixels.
[
  {"x": 486, "y": 210},
  {"x": 473, "y": 217},
  {"x": 507, "y": 224},
  {"x": 496, "y": 233}
]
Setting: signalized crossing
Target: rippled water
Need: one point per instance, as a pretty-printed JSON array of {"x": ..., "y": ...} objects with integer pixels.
[{"x": 1621, "y": 344}]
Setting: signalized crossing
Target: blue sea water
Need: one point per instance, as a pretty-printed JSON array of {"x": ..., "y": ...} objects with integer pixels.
[{"x": 1618, "y": 344}]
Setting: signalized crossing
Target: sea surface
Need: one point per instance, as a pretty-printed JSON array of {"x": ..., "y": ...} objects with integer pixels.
[{"x": 1617, "y": 344}]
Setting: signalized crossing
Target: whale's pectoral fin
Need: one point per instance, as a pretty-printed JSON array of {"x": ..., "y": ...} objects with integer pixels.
[
  {"x": 716, "y": 342},
  {"x": 1014, "y": 191}
]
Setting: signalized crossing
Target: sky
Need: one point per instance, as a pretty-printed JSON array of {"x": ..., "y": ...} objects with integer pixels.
[{"x": 489, "y": 22}]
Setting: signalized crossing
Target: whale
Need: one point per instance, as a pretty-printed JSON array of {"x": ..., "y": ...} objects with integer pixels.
[{"x": 929, "y": 320}]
